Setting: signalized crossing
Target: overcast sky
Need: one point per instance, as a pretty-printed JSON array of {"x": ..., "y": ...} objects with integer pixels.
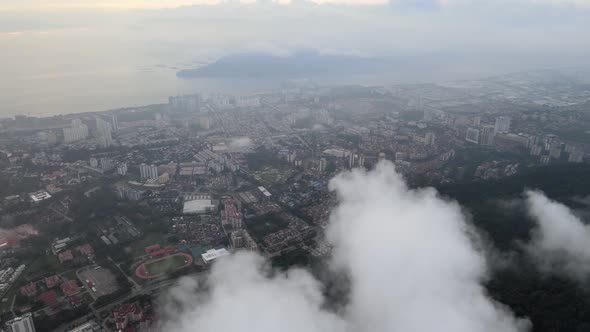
[
  {"x": 86, "y": 43},
  {"x": 374, "y": 27}
]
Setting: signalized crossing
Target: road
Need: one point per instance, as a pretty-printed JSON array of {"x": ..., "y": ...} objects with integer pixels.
[
  {"x": 130, "y": 279},
  {"x": 96, "y": 313}
]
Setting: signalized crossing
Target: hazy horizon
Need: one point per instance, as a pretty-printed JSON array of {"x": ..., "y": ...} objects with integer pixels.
[{"x": 78, "y": 56}]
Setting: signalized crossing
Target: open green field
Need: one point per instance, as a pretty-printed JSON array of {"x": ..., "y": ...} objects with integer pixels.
[
  {"x": 169, "y": 264},
  {"x": 45, "y": 263},
  {"x": 270, "y": 176}
]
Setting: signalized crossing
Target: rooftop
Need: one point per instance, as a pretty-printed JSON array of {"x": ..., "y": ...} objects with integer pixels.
[
  {"x": 39, "y": 196},
  {"x": 213, "y": 254},
  {"x": 198, "y": 206}
]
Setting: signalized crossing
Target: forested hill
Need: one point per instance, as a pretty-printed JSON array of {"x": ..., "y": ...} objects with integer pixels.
[
  {"x": 488, "y": 201},
  {"x": 552, "y": 303}
]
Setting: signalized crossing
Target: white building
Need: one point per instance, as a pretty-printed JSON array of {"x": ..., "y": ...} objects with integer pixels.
[
  {"x": 472, "y": 135},
  {"x": 555, "y": 151},
  {"x": 90, "y": 326},
  {"x": 148, "y": 172},
  {"x": 114, "y": 122},
  {"x": 536, "y": 150},
  {"x": 104, "y": 133},
  {"x": 487, "y": 135},
  {"x": 122, "y": 169},
  {"x": 39, "y": 196},
  {"x": 247, "y": 101},
  {"x": 576, "y": 156},
  {"x": 186, "y": 103},
  {"x": 502, "y": 125},
  {"x": 197, "y": 206},
  {"x": 93, "y": 162},
  {"x": 213, "y": 254},
  {"x": 429, "y": 138},
  {"x": 323, "y": 164},
  {"x": 106, "y": 164},
  {"x": 77, "y": 132},
  {"x": 23, "y": 323}
]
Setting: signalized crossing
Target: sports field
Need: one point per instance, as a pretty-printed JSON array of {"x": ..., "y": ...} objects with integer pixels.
[{"x": 161, "y": 266}]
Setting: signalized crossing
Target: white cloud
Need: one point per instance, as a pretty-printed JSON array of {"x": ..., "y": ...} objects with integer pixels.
[
  {"x": 411, "y": 258},
  {"x": 560, "y": 242},
  {"x": 245, "y": 297}
]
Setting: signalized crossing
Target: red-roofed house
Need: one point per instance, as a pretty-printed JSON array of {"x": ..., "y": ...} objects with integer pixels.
[
  {"x": 49, "y": 297},
  {"x": 125, "y": 313},
  {"x": 70, "y": 287},
  {"x": 75, "y": 300},
  {"x": 51, "y": 281},
  {"x": 65, "y": 256},
  {"x": 85, "y": 249},
  {"x": 29, "y": 289},
  {"x": 152, "y": 248}
]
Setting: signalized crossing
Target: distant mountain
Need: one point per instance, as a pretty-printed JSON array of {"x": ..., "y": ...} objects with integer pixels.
[{"x": 301, "y": 64}]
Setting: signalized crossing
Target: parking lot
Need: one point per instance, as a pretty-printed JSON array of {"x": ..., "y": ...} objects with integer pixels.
[{"x": 98, "y": 280}]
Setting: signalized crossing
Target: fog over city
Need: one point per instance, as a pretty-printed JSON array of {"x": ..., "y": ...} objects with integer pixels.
[
  {"x": 409, "y": 254},
  {"x": 294, "y": 165}
]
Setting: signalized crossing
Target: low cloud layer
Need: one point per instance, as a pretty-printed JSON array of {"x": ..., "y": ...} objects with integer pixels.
[
  {"x": 560, "y": 242},
  {"x": 245, "y": 297},
  {"x": 411, "y": 258}
]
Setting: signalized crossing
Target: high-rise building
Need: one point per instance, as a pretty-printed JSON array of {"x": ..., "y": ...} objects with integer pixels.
[
  {"x": 122, "y": 169},
  {"x": 502, "y": 125},
  {"x": 241, "y": 239},
  {"x": 291, "y": 156},
  {"x": 536, "y": 150},
  {"x": 472, "y": 135},
  {"x": 93, "y": 162},
  {"x": 555, "y": 151},
  {"x": 106, "y": 164},
  {"x": 576, "y": 156},
  {"x": 487, "y": 135},
  {"x": 186, "y": 103},
  {"x": 23, "y": 323},
  {"x": 104, "y": 133},
  {"x": 76, "y": 132},
  {"x": 323, "y": 164},
  {"x": 143, "y": 171},
  {"x": 429, "y": 138},
  {"x": 114, "y": 122},
  {"x": 148, "y": 172}
]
